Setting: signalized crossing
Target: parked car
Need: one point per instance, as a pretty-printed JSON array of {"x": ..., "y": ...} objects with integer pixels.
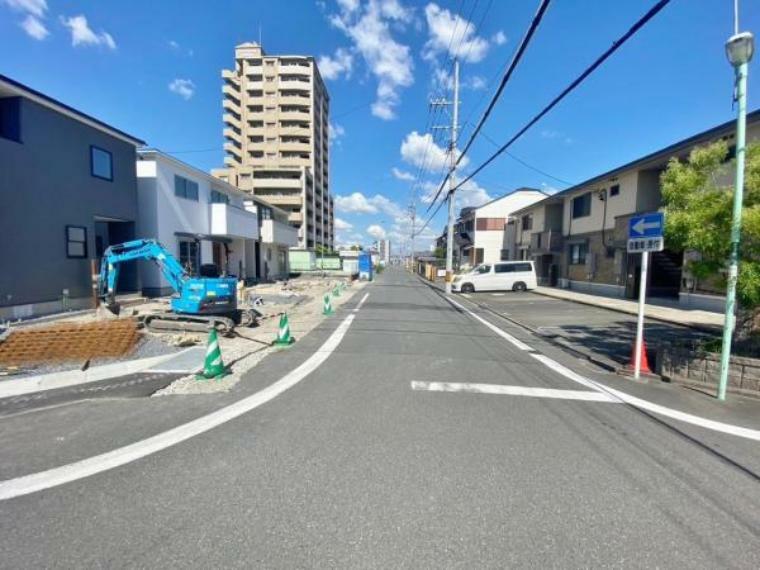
[{"x": 500, "y": 276}]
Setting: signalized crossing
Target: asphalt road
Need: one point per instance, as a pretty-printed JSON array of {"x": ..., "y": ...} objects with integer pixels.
[
  {"x": 352, "y": 468},
  {"x": 595, "y": 330}
]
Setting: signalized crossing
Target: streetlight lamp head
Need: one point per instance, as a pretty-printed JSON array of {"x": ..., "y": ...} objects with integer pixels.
[{"x": 740, "y": 47}]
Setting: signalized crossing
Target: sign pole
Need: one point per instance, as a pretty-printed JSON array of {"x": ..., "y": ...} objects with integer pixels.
[{"x": 640, "y": 320}]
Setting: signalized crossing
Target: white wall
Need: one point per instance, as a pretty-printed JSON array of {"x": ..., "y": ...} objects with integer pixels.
[
  {"x": 492, "y": 241},
  {"x": 620, "y": 205}
]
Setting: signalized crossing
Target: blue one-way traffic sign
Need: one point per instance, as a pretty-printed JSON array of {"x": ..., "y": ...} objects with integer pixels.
[
  {"x": 645, "y": 233},
  {"x": 646, "y": 225}
]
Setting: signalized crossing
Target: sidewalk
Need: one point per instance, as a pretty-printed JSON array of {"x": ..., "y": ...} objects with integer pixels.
[{"x": 704, "y": 320}]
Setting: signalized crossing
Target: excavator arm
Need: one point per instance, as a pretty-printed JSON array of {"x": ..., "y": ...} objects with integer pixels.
[{"x": 138, "y": 249}]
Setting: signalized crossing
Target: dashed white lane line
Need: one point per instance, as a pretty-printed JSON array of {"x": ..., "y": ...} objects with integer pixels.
[
  {"x": 589, "y": 396},
  {"x": 97, "y": 464},
  {"x": 359, "y": 306},
  {"x": 706, "y": 423}
]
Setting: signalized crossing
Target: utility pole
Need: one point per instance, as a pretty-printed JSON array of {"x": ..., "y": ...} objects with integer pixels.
[
  {"x": 739, "y": 49},
  {"x": 413, "y": 216},
  {"x": 452, "y": 174}
]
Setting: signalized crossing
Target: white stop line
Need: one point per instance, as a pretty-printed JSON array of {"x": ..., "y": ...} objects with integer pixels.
[{"x": 583, "y": 395}]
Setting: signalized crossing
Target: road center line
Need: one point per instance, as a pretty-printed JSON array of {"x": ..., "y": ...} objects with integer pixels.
[
  {"x": 514, "y": 391},
  {"x": 97, "y": 464},
  {"x": 706, "y": 423}
]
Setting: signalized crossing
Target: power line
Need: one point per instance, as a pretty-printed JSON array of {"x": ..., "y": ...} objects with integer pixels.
[
  {"x": 504, "y": 80},
  {"x": 612, "y": 49},
  {"x": 525, "y": 164}
]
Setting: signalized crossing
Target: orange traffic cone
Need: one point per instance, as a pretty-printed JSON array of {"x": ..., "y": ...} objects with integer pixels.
[{"x": 644, "y": 360}]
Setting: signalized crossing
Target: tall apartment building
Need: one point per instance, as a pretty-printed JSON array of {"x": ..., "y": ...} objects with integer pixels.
[{"x": 276, "y": 111}]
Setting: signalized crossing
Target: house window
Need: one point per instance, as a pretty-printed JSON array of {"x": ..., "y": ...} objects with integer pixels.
[
  {"x": 527, "y": 222},
  {"x": 504, "y": 255},
  {"x": 101, "y": 163},
  {"x": 185, "y": 188},
  {"x": 10, "y": 118},
  {"x": 615, "y": 190},
  {"x": 582, "y": 205},
  {"x": 76, "y": 242},
  {"x": 219, "y": 197},
  {"x": 188, "y": 256},
  {"x": 578, "y": 253}
]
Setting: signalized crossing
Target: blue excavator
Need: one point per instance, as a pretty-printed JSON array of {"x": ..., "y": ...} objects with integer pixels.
[{"x": 199, "y": 303}]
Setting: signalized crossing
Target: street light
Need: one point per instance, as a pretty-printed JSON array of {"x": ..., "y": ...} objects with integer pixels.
[{"x": 739, "y": 49}]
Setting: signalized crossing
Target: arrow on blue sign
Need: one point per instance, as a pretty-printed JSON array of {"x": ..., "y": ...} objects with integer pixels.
[{"x": 646, "y": 225}]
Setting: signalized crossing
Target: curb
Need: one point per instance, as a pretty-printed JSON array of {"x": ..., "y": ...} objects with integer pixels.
[
  {"x": 703, "y": 328},
  {"x": 54, "y": 380}
]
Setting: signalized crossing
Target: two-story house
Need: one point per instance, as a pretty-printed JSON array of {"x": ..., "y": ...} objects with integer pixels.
[{"x": 69, "y": 191}]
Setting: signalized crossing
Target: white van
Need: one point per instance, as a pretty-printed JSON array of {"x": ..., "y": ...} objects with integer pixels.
[{"x": 500, "y": 276}]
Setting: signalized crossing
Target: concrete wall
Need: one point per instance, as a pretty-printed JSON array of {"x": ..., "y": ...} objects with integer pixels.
[
  {"x": 46, "y": 184},
  {"x": 623, "y": 203}
]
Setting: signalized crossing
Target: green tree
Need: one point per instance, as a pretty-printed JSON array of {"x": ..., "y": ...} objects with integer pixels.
[
  {"x": 698, "y": 196},
  {"x": 440, "y": 252}
]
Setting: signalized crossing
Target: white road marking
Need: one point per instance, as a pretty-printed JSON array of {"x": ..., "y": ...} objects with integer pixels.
[
  {"x": 497, "y": 294},
  {"x": 513, "y": 391},
  {"x": 97, "y": 464},
  {"x": 505, "y": 335},
  {"x": 706, "y": 423},
  {"x": 359, "y": 306}
]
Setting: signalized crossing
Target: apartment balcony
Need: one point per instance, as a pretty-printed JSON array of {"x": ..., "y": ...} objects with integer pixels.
[
  {"x": 293, "y": 100},
  {"x": 232, "y": 120},
  {"x": 229, "y": 105},
  {"x": 231, "y": 161},
  {"x": 232, "y": 135},
  {"x": 295, "y": 131},
  {"x": 295, "y": 217},
  {"x": 291, "y": 84},
  {"x": 279, "y": 233},
  {"x": 546, "y": 242},
  {"x": 255, "y": 71},
  {"x": 254, "y": 86},
  {"x": 232, "y": 92},
  {"x": 233, "y": 149},
  {"x": 229, "y": 74},
  {"x": 291, "y": 69},
  {"x": 292, "y": 161},
  {"x": 294, "y": 115},
  {"x": 285, "y": 199},
  {"x": 295, "y": 146},
  {"x": 294, "y": 183},
  {"x": 229, "y": 221}
]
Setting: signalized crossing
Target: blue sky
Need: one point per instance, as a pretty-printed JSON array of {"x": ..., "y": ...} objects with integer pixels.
[{"x": 153, "y": 70}]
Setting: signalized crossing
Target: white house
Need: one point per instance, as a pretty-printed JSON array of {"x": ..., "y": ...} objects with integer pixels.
[
  {"x": 479, "y": 232},
  {"x": 209, "y": 225}
]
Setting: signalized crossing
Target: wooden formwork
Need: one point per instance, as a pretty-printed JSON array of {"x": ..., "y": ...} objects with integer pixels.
[{"x": 69, "y": 341}]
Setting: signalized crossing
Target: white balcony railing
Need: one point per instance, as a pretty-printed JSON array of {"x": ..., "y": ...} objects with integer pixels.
[
  {"x": 233, "y": 222},
  {"x": 277, "y": 232}
]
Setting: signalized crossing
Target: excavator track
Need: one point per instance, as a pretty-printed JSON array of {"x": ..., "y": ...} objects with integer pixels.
[{"x": 167, "y": 322}]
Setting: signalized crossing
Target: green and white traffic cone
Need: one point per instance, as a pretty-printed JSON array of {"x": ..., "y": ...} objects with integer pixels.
[
  {"x": 284, "y": 337},
  {"x": 336, "y": 291},
  {"x": 213, "y": 367},
  {"x": 327, "y": 309}
]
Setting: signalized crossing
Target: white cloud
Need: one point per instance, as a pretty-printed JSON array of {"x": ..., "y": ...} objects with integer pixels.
[
  {"x": 453, "y": 35},
  {"x": 419, "y": 150},
  {"x": 335, "y": 132},
  {"x": 348, "y": 5},
  {"x": 342, "y": 224},
  {"x": 388, "y": 60},
  {"x": 470, "y": 194},
  {"x": 499, "y": 38},
  {"x": 358, "y": 203},
  {"x": 185, "y": 88},
  {"x": 556, "y": 135},
  {"x": 442, "y": 80},
  {"x": 34, "y": 27},
  {"x": 33, "y": 7},
  {"x": 402, "y": 174},
  {"x": 174, "y": 45},
  {"x": 340, "y": 64},
  {"x": 376, "y": 231},
  {"x": 82, "y": 34},
  {"x": 476, "y": 83}
]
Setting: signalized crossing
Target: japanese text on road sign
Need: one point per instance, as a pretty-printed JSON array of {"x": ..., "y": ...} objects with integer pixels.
[{"x": 645, "y": 233}]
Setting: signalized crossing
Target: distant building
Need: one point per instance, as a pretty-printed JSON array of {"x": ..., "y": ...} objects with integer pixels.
[
  {"x": 479, "y": 231},
  {"x": 383, "y": 247},
  {"x": 69, "y": 191},
  {"x": 276, "y": 111}
]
